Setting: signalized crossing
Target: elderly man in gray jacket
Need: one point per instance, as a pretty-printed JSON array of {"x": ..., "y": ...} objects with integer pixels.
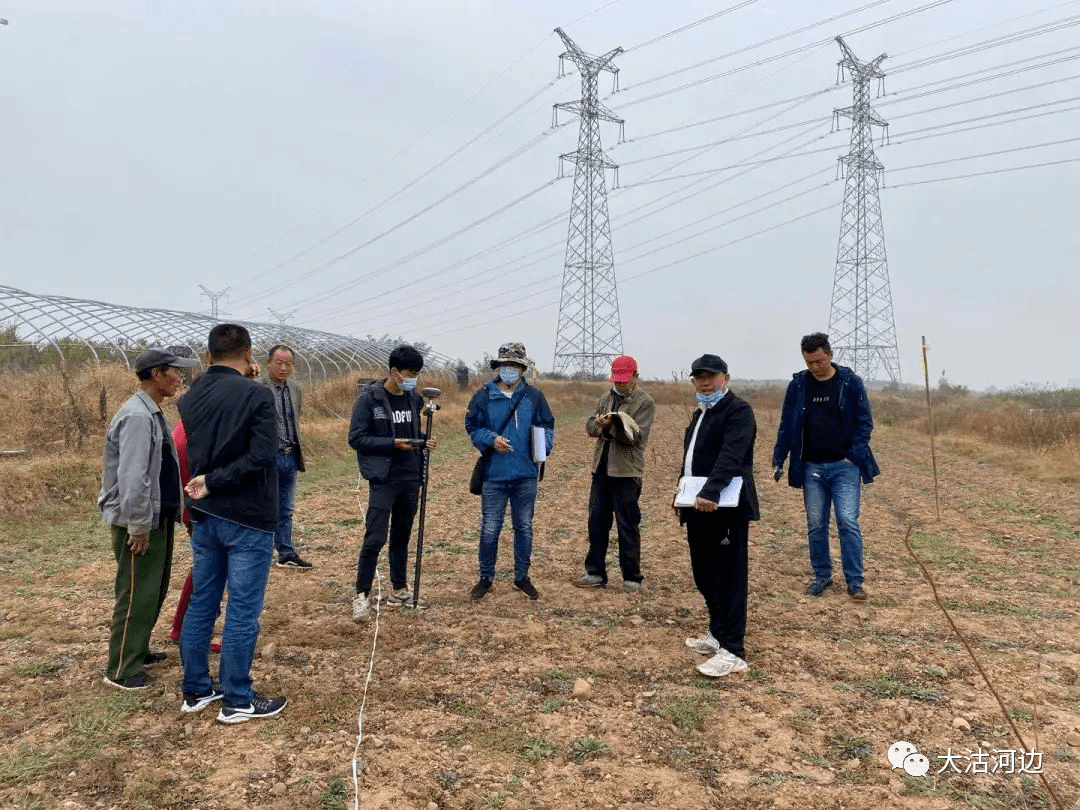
[
  {"x": 621, "y": 425},
  {"x": 140, "y": 499}
]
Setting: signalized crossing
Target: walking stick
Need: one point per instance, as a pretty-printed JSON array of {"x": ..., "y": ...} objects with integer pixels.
[{"x": 430, "y": 394}]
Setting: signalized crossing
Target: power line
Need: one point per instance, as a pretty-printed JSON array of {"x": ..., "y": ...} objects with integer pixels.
[
  {"x": 411, "y": 218},
  {"x": 767, "y": 59},
  {"x": 517, "y": 286},
  {"x": 759, "y": 44},
  {"x": 435, "y": 167},
  {"x": 668, "y": 265},
  {"x": 796, "y": 124},
  {"x": 888, "y": 97},
  {"x": 986, "y": 154},
  {"x": 985, "y": 173},
  {"x": 995, "y": 42},
  {"x": 694, "y": 24}
]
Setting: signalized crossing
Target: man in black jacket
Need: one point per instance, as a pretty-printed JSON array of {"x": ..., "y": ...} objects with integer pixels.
[
  {"x": 385, "y": 433},
  {"x": 719, "y": 447},
  {"x": 232, "y": 454}
]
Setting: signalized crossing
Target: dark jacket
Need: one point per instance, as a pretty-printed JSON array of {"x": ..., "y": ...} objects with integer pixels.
[
  {"x": 855, "y": 422},
  {"x": 232, "y": 440},
  {"x": 371, "y": 431},
  {"x": 724, "y": 449},
  {"x": 296, "y": 395},
  {"x": 489, "y": 408}
]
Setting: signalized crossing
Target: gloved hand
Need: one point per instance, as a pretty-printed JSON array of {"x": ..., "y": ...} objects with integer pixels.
[{"x": 778, "y": 472}]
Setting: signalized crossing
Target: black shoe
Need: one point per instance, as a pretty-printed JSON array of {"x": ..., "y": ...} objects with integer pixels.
[
  {"x": 480, "y": 589},
  {"x": 857, "y": 593},
  {"x": 140, "y": 680},
  {"x": 258, "y": 708},
  {"x": 195, "y": 703},
  {"x": 526, "y": 587},
  {"x": 818, "y": 586},
  {"x": 152, "y": 658},
  {"x": 293, "y": 562}
]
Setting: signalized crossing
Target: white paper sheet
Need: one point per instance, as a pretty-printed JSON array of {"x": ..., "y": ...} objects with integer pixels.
[{"x": 690, "y": 486}]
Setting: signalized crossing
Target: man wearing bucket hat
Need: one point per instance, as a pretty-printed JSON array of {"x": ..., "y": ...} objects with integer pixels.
[
  {"x": 719, "y": 447},
  {"x": 500, "y": 421},
  {"x": 140, "y": 498},
  {"x": 621, "y": 425}
]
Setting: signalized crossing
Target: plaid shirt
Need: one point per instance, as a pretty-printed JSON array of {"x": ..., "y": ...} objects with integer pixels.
[{"x": 285, "y": 415}]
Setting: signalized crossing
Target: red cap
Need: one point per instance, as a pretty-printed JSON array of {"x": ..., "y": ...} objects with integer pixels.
[{"x": 623, "y": 369}]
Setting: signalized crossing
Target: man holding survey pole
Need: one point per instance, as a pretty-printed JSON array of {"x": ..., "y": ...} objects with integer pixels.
[{"x": 716, "y": 501}]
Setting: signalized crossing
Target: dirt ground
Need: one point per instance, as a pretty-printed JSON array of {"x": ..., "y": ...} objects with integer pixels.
[{"x": 583, "y": 699}]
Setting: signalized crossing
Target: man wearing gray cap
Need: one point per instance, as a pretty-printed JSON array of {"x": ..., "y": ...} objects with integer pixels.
[
  {"x": 140, "y": 498},
  {"x": 716, "y": 502}
]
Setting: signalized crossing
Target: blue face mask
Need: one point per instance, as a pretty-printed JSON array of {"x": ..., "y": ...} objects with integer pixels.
[
  {"x": 509, "y": 374},
  {"x": 408, "y": 383},
  {"x": 710, "y": 399}
]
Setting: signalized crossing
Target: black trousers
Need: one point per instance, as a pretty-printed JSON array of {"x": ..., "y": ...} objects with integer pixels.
[
  {"x": 614, "y": 498},
  {"x": 718, "y": 557},
  {"x": 391, "y": 508}
]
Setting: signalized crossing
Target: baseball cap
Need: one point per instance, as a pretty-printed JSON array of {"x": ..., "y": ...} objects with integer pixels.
[
  {"x": 152, "y": 358},
  {"x": 623, "y": 369},
  {"x": 709, "y": 362}
]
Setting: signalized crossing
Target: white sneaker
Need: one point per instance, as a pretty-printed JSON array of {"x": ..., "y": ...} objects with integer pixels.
[
  {"x": 706, "y": 644},
  {"x": 402, "y": 597},
  {"x": 361, "y": 608},
  {"x": 721, "y": 664}
]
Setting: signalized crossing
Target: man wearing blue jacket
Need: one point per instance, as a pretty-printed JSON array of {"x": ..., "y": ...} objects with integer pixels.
[
  {"x": 825, "y": 427},
  {"x": 500, "y": 421}
]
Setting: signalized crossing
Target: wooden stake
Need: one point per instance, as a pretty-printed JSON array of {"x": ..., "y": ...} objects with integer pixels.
[{"x": 930, "y": 426}]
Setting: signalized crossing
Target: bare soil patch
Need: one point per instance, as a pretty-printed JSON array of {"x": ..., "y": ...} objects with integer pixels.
[{"x": 472, "y": 705}]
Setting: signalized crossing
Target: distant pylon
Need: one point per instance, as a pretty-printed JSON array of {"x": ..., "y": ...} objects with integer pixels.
[
  {"x": 281, "y": 317},
  {"x": 589, "y": 334},
  {"x": 214, "y": 297},
  {"x": 861, "y": 327}
]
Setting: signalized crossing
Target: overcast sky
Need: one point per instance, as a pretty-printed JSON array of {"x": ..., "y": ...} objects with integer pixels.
[{"x": 272, "y": 147}]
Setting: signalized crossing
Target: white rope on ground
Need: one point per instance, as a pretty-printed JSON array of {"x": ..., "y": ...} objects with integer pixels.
[{"x": 367, "y": 679}]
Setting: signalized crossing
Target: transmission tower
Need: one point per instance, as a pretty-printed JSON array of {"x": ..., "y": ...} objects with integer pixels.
[
  {"x": 214, "y": 297},
  {"x": 861, "y": 327},
  {"x": 589, "y": 334},
  {"x": 281, "y": 317}
]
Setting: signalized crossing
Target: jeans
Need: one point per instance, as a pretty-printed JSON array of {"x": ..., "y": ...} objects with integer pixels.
[
  {"x": 225, "y": 553},
  {"x": 521, "y": 495},
  {"x": 286, "y": 472},
  {"x": 720, "y": 562},
  {"x": 391, "y": 508},
  {"x": 614, "y": 498},
  {"x": 837, "y": 483}
]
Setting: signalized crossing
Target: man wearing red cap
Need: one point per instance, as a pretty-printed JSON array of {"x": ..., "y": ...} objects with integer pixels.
[{"x": 621, "y": 424}]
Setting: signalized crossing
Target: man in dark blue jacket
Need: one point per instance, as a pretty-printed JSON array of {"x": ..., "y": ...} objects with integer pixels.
[
  {"x": 506, "y": 419},
  {"x": 232, "y": 455},
  {"x": 385, "y": 433},
  {"x": 825, "y": 427}
]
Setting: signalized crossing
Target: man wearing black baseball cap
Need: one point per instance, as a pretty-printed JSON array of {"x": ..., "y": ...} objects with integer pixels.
[
  {"x": 140, "y": 499},
  {"x": 717, "y": 507}
]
